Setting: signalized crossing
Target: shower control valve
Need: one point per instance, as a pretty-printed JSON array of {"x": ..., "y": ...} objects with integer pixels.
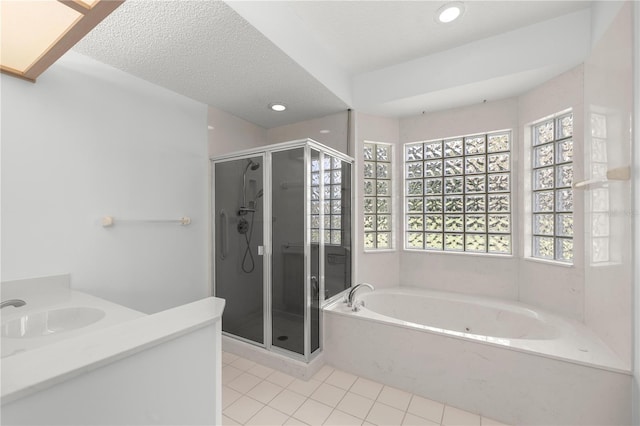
[{"x": 243, "y": 226}]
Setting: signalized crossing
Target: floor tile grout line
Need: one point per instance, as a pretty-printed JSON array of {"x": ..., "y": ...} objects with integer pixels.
[
  {"x": 345, "y": 394},
  {"x": 404, "y": 416},
  {"x": 365, "y": 417},
  {"x": 270, "y": 401},
  {"x": 308, "y": 397},
  {"x": 413, "y": 395},
  {"x": 444, "y": 409},
  {"x": 289, "y": 416},
  {"x": 370, "y": 408},
  {"x": 250, "y": 397}
]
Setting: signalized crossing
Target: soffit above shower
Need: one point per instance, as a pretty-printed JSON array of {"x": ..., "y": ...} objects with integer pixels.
[
  {"x": 321, "y": 57},
  {"x": 206, "y": 51}
]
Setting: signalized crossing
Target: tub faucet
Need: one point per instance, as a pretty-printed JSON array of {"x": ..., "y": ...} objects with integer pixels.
[
  {"x": 16, "y": 303},
  {"x": 352, "y": 293}
]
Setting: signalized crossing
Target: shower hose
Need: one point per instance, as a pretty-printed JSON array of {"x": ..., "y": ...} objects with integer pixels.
[{"x": 247, "y": 252}]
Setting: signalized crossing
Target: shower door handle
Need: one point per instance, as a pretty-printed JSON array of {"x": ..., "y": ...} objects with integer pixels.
[
  {"x": 224, "y": 234},
  {"x": 314, "y": 285}
]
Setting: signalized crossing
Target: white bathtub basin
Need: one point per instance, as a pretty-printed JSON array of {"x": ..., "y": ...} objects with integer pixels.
[{"x": 44, "y": 323}]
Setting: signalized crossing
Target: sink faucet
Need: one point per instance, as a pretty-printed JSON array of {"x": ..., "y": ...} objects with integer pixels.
[
  {"x": 352, "y": 293},
  {"x": 16, "y": 303}
]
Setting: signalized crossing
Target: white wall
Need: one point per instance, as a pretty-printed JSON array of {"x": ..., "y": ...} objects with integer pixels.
[
  {"x": 492, "y": 276},
  {"x": 382, "y": 269},
  {"x": 554, "y": 287},
  {"x": 636, "y": 191},
  {"x": 228, "y": 133},
  {"x": 603, "y": 13},
  {"x": 557, "y": 288},
  {"x": 608, "y": 93},
  {"x": 330, "y": 130},
  {"x": 86, "y": 141}
]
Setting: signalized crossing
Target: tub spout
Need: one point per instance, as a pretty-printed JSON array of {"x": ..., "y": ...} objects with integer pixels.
[
  {"x": 354, "y": 289},
  {"x": 16, "y": 303}
]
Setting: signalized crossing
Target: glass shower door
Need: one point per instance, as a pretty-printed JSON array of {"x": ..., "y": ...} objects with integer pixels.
[
  {"x": 239, "y": 234},
  {"x": 297, "y": 195},
  {"x": 288, "y": 248}
]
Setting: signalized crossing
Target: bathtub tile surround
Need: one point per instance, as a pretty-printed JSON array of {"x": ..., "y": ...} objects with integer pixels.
[
  {"x": 488, "y": 321},
  {"x": 330, "y": 397},
  {"x": 526, "y": 375}
]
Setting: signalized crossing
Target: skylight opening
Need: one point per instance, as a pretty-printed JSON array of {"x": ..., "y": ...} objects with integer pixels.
[{"x": 34, "y": 34}]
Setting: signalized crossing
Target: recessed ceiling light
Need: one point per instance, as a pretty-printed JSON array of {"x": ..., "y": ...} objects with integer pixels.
[
  {"x": 325, "y": 131},
  {"x": 278, "y": 107},
  {"x": 449, "y": 12},
  {"x": 210, "y": 127}
]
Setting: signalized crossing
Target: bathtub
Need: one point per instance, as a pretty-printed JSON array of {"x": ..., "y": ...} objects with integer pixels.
[{"x": 502, "y": 359}]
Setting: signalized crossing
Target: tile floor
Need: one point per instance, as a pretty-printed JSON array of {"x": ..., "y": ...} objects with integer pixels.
[{"x": 253, "y": 394}]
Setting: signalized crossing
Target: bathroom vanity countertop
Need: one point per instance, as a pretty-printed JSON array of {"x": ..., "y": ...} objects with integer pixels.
[
  {"x": 43, "y": 305},
  {"x": 37, "y": 369}
]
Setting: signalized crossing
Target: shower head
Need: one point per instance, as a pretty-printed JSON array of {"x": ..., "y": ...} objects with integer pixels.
[{"x": 252, "y": 165}]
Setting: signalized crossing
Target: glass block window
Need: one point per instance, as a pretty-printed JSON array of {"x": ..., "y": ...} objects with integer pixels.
[
  {"x": 377, "y": 196},
  {"x": 326, "y": 180},
  {"x": 457, "y": 194},
  {"x": 551, "y": 181}
]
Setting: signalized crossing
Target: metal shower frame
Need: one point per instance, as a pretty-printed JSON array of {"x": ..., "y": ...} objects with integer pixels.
[{"x": 265, "y": 152}]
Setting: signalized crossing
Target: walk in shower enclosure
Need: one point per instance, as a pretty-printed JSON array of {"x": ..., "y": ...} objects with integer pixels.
[{"x": 282, "y": 242}]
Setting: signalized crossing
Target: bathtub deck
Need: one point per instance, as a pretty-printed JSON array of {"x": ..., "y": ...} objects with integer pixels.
[{"x": 254, "y": 394}]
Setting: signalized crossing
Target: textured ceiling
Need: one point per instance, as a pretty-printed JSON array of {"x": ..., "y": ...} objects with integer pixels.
[
  {"x": 321, "y": 57},
  {"x": 206, "y": 51}
]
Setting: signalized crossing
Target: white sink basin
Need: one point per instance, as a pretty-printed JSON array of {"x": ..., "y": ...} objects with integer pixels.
[{"x": 57, "y": 321}]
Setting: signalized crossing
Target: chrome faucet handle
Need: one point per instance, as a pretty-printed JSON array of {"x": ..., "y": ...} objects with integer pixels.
[
  {"x": 352, "y": 292},
  {"x": 357, "y": 305},
  {"x": 347, "y": 293}
]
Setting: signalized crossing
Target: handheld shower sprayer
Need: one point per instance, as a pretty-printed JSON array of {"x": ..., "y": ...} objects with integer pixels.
[
  {"x": 244, "y": 209},
  {"x": 245, "y": 227},
  {"x": 253, "y": 203}
]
